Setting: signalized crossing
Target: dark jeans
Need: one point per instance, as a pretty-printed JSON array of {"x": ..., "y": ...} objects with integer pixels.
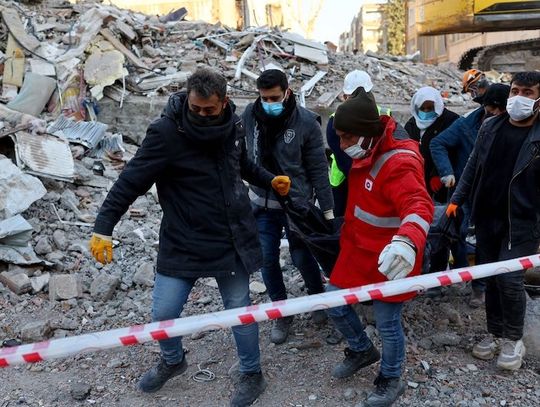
[
  {"x": 271, "y": 223},
  {"x": 388, "y": 321},
  {"x": 170, "y": 295},
  {"x": 505, "y": 293}
]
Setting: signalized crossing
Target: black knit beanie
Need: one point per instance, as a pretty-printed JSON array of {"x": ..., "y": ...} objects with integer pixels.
[
  {"x": 496, "y": 95},
  {"x": 359, "y": 115}
]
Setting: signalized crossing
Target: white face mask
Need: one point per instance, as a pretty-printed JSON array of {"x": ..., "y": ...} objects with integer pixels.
[
  {"x": 520, "y": 108},
  {"x": 356, "y": 150}
]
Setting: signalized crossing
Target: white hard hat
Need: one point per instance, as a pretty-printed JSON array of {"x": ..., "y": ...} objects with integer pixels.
[{"x": 356, "y": 79}]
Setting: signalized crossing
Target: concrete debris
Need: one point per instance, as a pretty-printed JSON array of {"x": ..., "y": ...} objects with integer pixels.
[
  {"x": 144, "y": 275},
  {"x": 39, "y": 283},
  {"x": 18, "y": 282},
  {"x": 35, "y": 331},
  {"x": 17, "y": 190},
  {"x": 104, "y": 286},
  {"x": 64, "y": 287},
  {"x": 15, "y": 231}
]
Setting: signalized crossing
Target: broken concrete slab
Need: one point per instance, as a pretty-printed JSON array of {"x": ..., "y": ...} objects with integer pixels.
[
  {"x": 35, "y": 331},
  {"x": 17, "y": 190},
  {"x": 22, "y": 256},
  {"x": 64, "y": 287},
  {"x": 15, "y": 231},
  {"x": 104, "y": 286},
  {"x": 39, "y": 283},
  {"x": 102, "y": 69},
  {"x": 17, "y": 282}
]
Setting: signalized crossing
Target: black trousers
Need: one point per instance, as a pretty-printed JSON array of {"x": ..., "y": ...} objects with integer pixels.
[{"x": 505, "y": 293}]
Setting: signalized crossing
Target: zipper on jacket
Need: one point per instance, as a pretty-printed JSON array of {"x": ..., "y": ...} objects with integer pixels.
[{"x": 509, "y": 211}]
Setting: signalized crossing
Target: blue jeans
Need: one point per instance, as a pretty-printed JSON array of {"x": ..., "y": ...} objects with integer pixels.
[
  {"x": 170, "y": 296},
  {"x": 271, "y": 223},
  {"x": 388, "y": 321}
]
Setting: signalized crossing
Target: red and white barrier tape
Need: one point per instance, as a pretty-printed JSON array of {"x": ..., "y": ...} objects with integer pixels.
[{"x": 57, "y": 348}]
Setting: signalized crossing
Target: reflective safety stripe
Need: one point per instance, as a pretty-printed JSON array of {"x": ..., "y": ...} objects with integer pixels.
[
  {"x": 414, "y": 218},
  {"x": 389, "y": 221},
  {"x": 336, "y": 175},
  {"x": 265, "y": 203},
  {"x": 379, "y": 221},
  {"x": 384, "y": 158},
  {"x": 384, "y": 111}
]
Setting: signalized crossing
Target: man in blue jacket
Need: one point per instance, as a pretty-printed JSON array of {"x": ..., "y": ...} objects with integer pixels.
[
  {"x": 450, "y": 151},
  {"x": 282, "y": 136}
]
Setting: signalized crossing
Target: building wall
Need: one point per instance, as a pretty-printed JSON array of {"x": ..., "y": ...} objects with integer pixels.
[{"x": 367, "y": 30}]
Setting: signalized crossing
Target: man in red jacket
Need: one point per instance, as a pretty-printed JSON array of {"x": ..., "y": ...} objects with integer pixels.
[{"x": 386, "y": 223}]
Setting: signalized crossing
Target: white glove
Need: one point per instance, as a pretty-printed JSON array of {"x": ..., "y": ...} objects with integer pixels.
[
  {"x": 329, "y": 214},
  {"x": 397, "y": 258},
  {"x": 449, "y": 181}
]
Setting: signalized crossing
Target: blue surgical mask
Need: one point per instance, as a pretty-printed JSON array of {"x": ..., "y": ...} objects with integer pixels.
[
  {"x": 427, "y": 115},
  {"x": 273, "y": 109}
]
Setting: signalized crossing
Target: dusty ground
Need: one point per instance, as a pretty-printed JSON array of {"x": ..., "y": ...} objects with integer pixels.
[{"x": 298, "y": 372}]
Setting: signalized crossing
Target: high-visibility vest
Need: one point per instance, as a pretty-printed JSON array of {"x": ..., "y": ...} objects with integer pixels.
[{"x": 336, "y": 175}]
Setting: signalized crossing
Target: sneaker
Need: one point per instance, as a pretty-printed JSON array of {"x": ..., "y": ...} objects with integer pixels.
[
  {"x": 355, "y": 360},
  {"x": 247, "y": 389},
  {"x": 511, "y": 356},
  {"x": 387, "y": 391},
  {"x": 280, "y": 330},
  {"x": 319, "y": 317},
  {"x": 487, "y": 348},
  {"x": 155, "y": 378},
  {"x": 477, "y": 299}
]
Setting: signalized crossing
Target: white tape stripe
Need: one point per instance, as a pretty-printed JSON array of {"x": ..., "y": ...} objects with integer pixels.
[{"x": 184, "y": 326}]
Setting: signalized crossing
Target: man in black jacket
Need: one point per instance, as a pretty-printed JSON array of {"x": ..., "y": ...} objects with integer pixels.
[
  {"x": 195, "y": 154},
  {"x": 501, "y": 180},
  {"x": 286, "y": 139}
]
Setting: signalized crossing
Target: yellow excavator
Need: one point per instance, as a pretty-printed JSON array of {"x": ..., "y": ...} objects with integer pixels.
[{"x": 469, "y": 16}]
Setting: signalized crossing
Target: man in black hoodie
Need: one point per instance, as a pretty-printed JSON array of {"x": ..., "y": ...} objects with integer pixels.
[{"x": 196, "y": 155}]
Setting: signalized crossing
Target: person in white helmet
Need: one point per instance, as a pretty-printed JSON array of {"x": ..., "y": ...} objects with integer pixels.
[{"x": 341, "y": 162}]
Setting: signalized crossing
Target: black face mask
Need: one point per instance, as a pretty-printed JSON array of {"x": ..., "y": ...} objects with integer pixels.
[{"x": 206, "y": 121}]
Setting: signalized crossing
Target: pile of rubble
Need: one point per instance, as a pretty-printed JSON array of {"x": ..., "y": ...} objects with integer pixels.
[{"x": 61, "y": 60}]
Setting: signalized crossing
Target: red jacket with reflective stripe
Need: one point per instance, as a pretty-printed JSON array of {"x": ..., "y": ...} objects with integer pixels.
[{"x": 387, "y": 197}]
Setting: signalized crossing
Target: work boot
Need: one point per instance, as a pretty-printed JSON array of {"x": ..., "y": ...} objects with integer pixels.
[
  {"x": 477, "y": 299},
  {"x": 355, "y": 360},
  {"x": 319, "y": 317},
  {"x": 387, "y": 391},
  {"x": 487, "y": 348},
  {"x": 155, "y": 378},
  {"x": 280, "y": 330},
  {"x": 511, "y": 356},
  {"x": 248, "y": 387}
]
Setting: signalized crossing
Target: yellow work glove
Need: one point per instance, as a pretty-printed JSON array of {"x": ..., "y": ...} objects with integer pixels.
[
  {"x": 451, "y": 210},
  {"x": 101, "y": 248},
  {"x": 281, "y": 184}
]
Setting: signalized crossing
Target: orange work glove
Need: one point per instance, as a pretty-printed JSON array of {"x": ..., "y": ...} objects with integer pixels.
[
  {"x": 451, "y": 210},
  {"x": 435, "y": 184},
  {"x": 101, "y": 248},
  {"x": 281, "y": 184}
]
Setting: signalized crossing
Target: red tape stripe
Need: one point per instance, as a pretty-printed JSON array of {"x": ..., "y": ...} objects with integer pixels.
[
  {"x": 350, "y": 299},
  {"x": 159, "y": 335},
  {"x": 129, "y": 340},
  {"x": 4, "y": 363},
  {"x": 445, "y": 280},
  {"x": 375, "y": 294},
  {"x": 465, "y": 275},
  {"x": 32, "y": 357},
  {"x": 246, "y": 319},
  {"x": 273, "y": 313},
  {"x": 526, "y": 263}
]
